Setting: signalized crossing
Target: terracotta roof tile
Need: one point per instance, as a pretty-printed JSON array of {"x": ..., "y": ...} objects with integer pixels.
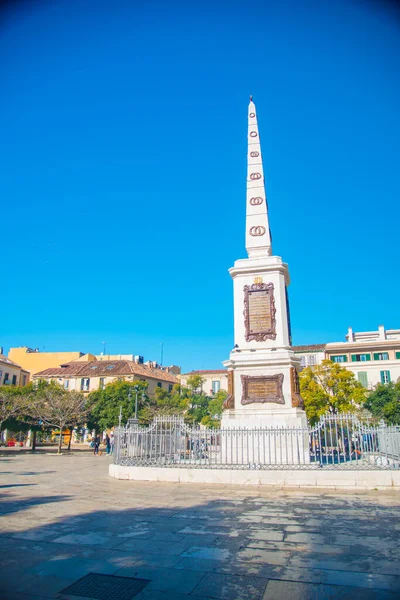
[
  {"x": 310, "y": 348},
  {"x": 99, "y": 368},
  {"x": 8, "y": 361}
]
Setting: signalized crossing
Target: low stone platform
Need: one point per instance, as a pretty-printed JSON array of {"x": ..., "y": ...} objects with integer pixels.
[{"x": 284, "y": 478}]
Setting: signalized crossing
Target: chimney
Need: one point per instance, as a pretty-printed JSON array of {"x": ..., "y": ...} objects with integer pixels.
[
  {"x": 381, "y": 329},
  {"x": 350, "y": 335}
]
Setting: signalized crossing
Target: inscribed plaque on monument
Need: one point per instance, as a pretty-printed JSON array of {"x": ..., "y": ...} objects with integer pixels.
[
  {"x": 259, "y": 312},
  {"x": 262, "y": 389}
]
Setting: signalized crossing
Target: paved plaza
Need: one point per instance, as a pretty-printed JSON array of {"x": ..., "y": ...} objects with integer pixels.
[{"x": 62, "y": 517}]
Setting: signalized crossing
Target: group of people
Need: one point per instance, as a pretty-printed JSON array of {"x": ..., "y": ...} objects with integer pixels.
[{"x": 108, "y": 441}]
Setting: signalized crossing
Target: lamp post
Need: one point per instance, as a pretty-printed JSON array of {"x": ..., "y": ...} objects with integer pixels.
[{"x": 134, "y": 420}]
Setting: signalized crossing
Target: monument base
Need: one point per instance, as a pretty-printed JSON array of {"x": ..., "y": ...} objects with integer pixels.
[
  {"x": 265, "y": 437},
  {"x": 264, "y": 417}
]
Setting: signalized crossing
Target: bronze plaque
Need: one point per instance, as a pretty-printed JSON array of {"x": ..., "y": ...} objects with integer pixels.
[
  {"x": 264, "y": 388},
  {"x": 259, "y": 312}
]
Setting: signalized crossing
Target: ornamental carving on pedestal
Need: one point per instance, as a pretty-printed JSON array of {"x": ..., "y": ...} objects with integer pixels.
[
  {"x": 297, "y": 400},
  {"x": 230, "y": 399},
  {"x": 262, "y": 389},
  {"x": 259, "y": 312}
]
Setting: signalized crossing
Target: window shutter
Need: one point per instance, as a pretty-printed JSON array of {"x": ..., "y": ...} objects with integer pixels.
[
  {"x": 376, "y": 356},
  {"x": 382, "y": 376},
  {"x": 363, "y": 378},
  {"x": 368, "y": 357},
  {"x": 397, "y": 354},
  {"x": 388, "y": 376},
  {"x": 353, "y": 358}
]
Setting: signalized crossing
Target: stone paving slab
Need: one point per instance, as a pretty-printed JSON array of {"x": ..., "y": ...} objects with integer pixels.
[{"x": 61, "y": 518}]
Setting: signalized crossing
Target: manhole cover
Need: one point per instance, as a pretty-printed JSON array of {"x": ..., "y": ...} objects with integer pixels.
[{"x": 106, "y": 587}]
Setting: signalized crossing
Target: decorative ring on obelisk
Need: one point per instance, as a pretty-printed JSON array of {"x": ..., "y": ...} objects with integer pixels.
[
  {"x": 254, "y": 153},
  {"x": 255, "y": 176},
  {"x": 252, "y": 115},
  {"x": 256, "y": 200},
  {"x": 253, "y": 134},
  {"x": 257, "y": 230}
]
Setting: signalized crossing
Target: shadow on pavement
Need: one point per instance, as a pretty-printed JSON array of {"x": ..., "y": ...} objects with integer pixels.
[{"x": 253, "y": 547}]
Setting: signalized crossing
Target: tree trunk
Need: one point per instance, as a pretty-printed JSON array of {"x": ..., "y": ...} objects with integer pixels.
[
  {"x": 34, "y": 441},
  {"x": 70, "y": 438},
  {"x": 60, "y": 441}
]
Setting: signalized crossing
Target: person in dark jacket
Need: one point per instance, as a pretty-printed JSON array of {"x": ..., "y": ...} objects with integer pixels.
[{"x": 96, "y": 444}]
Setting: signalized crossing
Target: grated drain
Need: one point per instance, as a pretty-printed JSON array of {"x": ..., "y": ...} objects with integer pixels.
[{"x": 106, "y": 587}]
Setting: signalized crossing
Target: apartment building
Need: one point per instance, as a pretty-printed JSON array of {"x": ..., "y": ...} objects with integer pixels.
[{"x": 373, "y": 356}]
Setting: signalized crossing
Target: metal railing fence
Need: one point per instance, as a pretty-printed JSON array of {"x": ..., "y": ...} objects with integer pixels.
[{"x": 336, "y": 442}]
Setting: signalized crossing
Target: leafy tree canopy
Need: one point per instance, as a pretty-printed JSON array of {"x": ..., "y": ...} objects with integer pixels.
[
  {"x": 384, "y": 402},
  {"x": 108, "y": 401},
  {"x": 328, "y": 387}
]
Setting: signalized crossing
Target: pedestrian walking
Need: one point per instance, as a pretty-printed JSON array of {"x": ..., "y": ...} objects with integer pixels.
[
  {"x": 108, "y": 444},
  {"x": 96, "y": 444}
]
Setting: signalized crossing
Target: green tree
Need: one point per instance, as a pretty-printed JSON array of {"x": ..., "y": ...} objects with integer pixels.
[
  {"x": 53, "y": 407},
  {"x": 195, "y": 382},
  {"x": 170, "y": 403},
  {"x": 12, "y": 404},
  {"x": 328, "y": 387},
  {"x": 215, "y": 410},
  {"x": 384, "y": 402},
  {"x": 108, "y": 401}
]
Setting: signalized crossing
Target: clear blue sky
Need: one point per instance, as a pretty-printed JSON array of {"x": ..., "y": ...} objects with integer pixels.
[{"x": 123, "y": 169}]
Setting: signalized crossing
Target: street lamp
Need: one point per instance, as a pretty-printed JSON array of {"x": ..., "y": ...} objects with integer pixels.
[{"x": 137, "y": 389}]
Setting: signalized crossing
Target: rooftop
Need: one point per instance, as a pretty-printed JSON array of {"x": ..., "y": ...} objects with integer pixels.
[
  {"x": 310, "y": 348},
  {"x": 109, "y": 368}
]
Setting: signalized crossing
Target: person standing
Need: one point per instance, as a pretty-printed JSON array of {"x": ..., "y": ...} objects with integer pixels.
[
  {"x": 108, "y": 444},
  {"x": 96, "y": 444}
]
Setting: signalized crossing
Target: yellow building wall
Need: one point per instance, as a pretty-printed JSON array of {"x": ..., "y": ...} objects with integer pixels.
[{"x": 39, "y": 361}]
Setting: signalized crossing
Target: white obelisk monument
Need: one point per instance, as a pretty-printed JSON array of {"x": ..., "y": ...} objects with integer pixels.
[{"x": 262, "y": 368}]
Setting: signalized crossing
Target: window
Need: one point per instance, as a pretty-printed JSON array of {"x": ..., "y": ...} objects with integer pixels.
[
  {"x": 66, "y": 384},
  {"x": 397, "y": 354},
  {"x": 216, "y": 385},
  {"x": 363, "y": 378},
  {"x": 385, "y": 376},
  {"x": 360, "y": 357},
  {"x": 381, "y": 356},
  {"x": 311, "y": 360},
  {"x": 109, "y": 367},
  {"x": 23, "y": 379},
  {"x": 170, "y": 387},
  {"x": 94, "y": 367},
  {"x": 14, "y": 380},
  {"x": 85, "y": 382},
  {"x": 102, "y": 383},
  {"x": 340, "y": 358},
  {"x": 1, "y": 372},
  {"x": 302, "y": 361},
  {"x": 159, "y": 384},
  {"x": 6, "y": 378}
]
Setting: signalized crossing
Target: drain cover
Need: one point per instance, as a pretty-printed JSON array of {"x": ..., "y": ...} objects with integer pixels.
[{"x": 106, "y": 587}]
